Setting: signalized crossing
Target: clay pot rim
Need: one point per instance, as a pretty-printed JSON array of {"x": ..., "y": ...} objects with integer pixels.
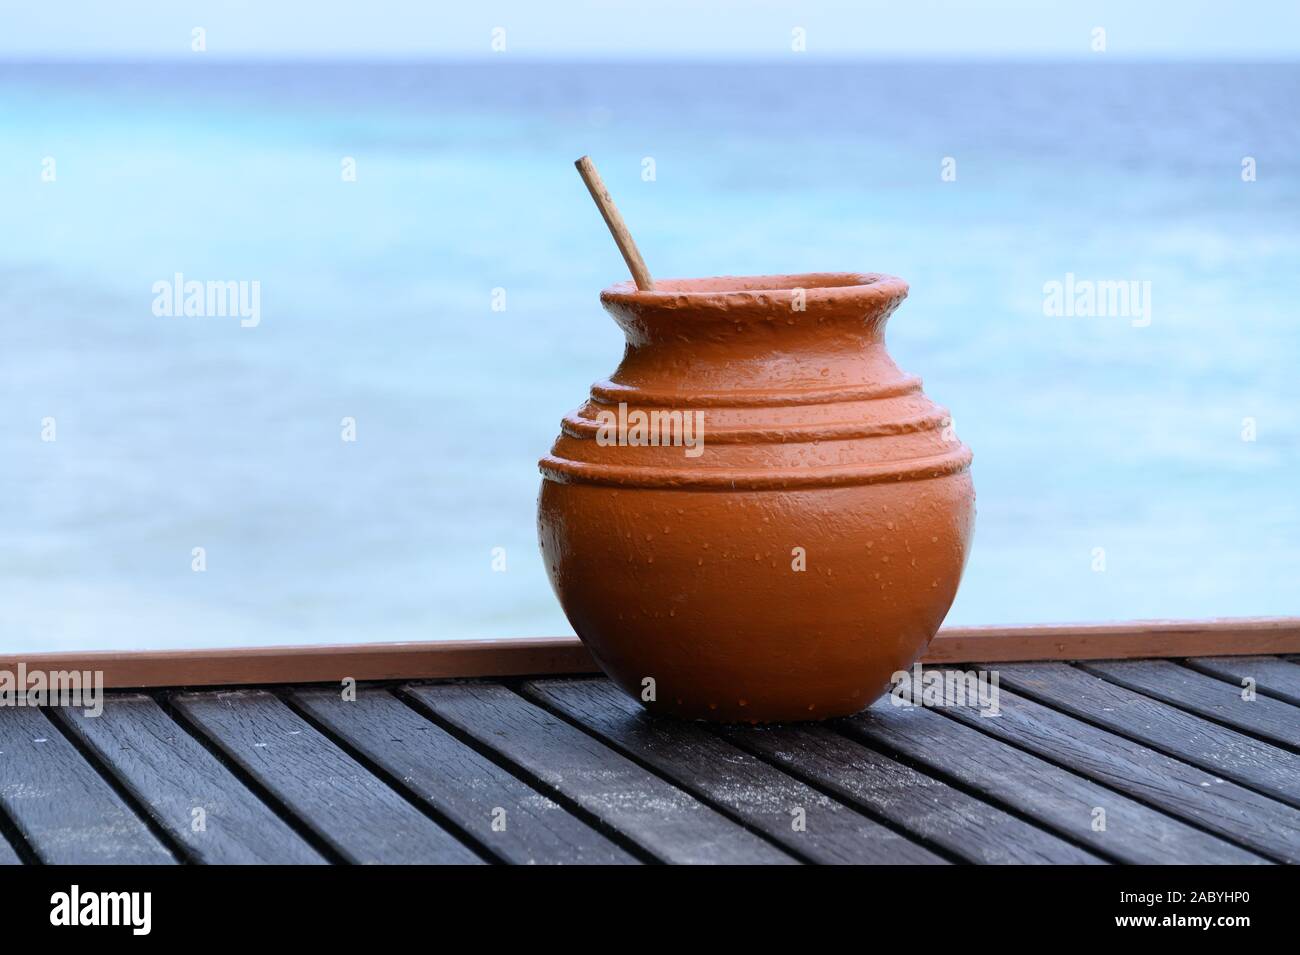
[{"x": 729, "y": 291}]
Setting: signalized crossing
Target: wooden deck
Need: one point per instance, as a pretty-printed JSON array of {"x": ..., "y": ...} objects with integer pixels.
[{"x": 1134, "y": 761}]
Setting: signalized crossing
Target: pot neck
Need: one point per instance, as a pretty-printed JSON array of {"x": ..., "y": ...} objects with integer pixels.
[{"x": 795, "y": 332}]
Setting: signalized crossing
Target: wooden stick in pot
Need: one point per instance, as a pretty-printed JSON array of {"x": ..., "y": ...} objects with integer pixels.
[{"x": 617, "y": 227}]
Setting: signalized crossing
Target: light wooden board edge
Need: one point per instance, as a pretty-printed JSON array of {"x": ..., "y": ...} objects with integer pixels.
[{"x": 551, "y": 655}]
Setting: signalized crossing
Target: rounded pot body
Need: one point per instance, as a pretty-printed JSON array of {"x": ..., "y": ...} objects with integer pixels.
[{"x": 758, "y": 517}]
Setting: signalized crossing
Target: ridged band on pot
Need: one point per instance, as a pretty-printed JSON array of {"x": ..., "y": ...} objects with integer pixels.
[{"x": 758, "y": 516}]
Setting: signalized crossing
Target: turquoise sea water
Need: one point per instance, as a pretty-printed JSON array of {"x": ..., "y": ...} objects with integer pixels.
[{"x": 376, "y": 304}]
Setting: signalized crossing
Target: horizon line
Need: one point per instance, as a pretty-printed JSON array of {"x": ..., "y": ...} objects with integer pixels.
[{"x": 800, "y": 60}]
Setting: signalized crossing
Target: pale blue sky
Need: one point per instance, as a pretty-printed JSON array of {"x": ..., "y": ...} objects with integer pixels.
[{"x": 601, "y": 29}]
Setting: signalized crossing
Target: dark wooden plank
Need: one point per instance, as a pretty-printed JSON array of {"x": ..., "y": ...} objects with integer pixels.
[
  {"x": 1273, "y": 676},
  {"x": 172, "y": 775},
  {"x": 66, "y": 811},
  {"x": 356, "y": 813},
  {"x": 1177, "y": 788},
  {"x": 1034, "y": 787},
  {"x": 509, "y": 818},
  {"x": 802, "y": 819},
  {"x": 670, "y": 824},
  {"x": 1187, "y": 736},
  {"x": 968, "y": 828},
  {"x": 1179, "y": 686}
]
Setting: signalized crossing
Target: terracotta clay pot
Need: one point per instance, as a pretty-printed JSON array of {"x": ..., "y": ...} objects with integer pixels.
[{"x": 809, "y": 547}]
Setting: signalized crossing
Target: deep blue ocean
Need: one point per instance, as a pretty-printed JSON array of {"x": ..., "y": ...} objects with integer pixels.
[{"x": 1124, "y": 469}]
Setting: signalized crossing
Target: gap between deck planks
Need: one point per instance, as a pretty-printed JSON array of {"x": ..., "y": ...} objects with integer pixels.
[
  {"x": 1057, "y": 797},
  {"x": 1272, "y": 676},
  {"x": 584, "y": 775},
  {"x": 1254, "y": 763},
  {"x": 802, "y": 820},
  {"x": 520, "y": 826},
  {"x": 356, "y": 813},
  {"x": 1213, "y": 698},
  {"x": 639, "y": 806},
  {"x": 720, "y": 764},
  {"x": 184, "y": 787},
  {"x": 60, "y": 804},
  {"x": 1202, "y": 799}
]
